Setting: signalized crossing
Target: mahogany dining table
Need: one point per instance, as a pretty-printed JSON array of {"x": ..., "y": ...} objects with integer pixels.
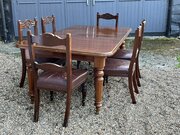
[{"x": 92, "y": 44}]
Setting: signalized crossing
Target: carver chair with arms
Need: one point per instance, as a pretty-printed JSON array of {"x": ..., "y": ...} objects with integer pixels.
[
  {"x": 54, "y": 77},
  {"x": 23, "y": 26},
  {"x": 126, "y": 68}
]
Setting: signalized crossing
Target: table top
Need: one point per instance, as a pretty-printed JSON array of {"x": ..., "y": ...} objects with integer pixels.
[{"x": 93, "y": 41}]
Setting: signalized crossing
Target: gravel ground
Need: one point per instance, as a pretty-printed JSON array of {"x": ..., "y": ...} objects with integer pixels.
[{"x": 157, "y": 111}]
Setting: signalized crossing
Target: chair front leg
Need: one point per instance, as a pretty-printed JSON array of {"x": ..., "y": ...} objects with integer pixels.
[
  {"x": 135, "y": 83},
  {"x": 78, "y": 64},
  {"x": 106, "y": 79},
  {"x": 130, "y": 83},
  {"x": 68, "y": 105},
  {"x": 36, "y": 105},
  {"x": 30, "y": 82},
  {"x": 138, "y": 70},
  {"x": 84, "y": 91},
  {"x": 51, "y": 95},
  {"x": 138, "y": 74},
  {"x": 23, "y": 74}
]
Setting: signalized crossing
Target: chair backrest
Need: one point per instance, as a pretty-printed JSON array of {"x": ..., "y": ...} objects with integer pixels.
[
  {"x": 107, "y": 16},
  {"x": 47, "y": 21},
  {"x": 26, "y": 25},
  {"x": 136, "y": 48},
  {"x": 44, "y": 43},
  {"x": 143, "y": 25},
  {"x": 142, "y": 31}
]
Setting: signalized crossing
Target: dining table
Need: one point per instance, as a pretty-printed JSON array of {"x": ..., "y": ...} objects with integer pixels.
[{"x": 92, "y": 44}]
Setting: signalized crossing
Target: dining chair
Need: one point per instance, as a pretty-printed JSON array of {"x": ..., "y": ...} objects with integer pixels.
[
  {"x": 127, "y": 53},
  {"x": 51, "y": 20},
  {"x": 48, "y": 20},
  {"x": 106, "y": 16},
  {"x": 126, "y": 68},
  {"x": 54, "y": 77},
  {"x": 23, "y": 26}
]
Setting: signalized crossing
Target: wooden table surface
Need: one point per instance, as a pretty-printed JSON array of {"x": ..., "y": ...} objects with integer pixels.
[{"x": 88, "y": 40}]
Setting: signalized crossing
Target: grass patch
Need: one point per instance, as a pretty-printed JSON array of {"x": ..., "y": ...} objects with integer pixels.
[
  {"x": 160, "y": 43},
  {"x": 162, "y": 46},
  {"x": 178, "y": 59}
]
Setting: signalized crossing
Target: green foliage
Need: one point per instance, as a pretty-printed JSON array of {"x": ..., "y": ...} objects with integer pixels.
[{"x": 178, "y": 59}]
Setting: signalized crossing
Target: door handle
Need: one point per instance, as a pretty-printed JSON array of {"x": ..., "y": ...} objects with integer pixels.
[{"x": 87, "y": 2}]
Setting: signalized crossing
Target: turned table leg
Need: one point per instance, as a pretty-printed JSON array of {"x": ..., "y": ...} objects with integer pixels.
[{"x": 99, "y": 64}]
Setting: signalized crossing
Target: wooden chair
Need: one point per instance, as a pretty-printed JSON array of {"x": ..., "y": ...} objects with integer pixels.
[
  {"x": 127, "y": 54},
  {"x": 47, "y": 21},
  {"x": 126, "y": 68},
  {"x": 51, "y": 20},
  {"x": 54, "y": 77},
  {"x": 106, "y": 16},
  {"x": 24, "y": 26}
]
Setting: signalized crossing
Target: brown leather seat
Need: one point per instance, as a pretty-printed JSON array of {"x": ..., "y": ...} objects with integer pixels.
[
  {"x": 115, "y": 67},
  {"x": 51, "y": 76},
  {"x": 126, "y": 68},
  {"x": 57, "y": 80},
  {"x": 123, "y": 54},
  {"x": 127, "y": 54}
]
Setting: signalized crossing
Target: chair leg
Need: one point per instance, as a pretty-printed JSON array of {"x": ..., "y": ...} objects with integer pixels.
[
  {"x": 23, "y": 75},
  {"x": 68, "y": 104},
  {"x": 130, "y": 81},
  {"x": 51, "y": 95},
  {"x": 135, "y": 83},
  {"x": 84, "y": 91},
  {"x": 138, "y": 81},
  {"x": 138, "y": 71},
  {"x": 36, "y": 105},
  {"x": 138, "y": 75},
  {"x": 106, "y": 79},
  {"x": 78, "y": 64},
  {"x": 30, "y": 82}
]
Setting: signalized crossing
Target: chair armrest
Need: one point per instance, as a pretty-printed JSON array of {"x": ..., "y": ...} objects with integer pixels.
[{"x": 50, "y": 67}]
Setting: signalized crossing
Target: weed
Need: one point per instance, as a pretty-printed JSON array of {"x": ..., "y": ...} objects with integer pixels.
[{"x": 178, "y": 59}]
